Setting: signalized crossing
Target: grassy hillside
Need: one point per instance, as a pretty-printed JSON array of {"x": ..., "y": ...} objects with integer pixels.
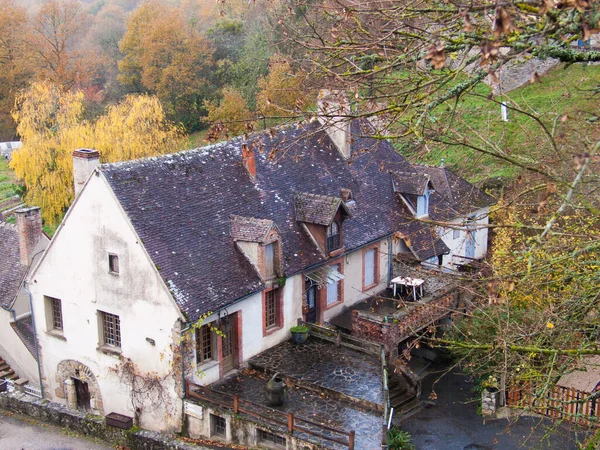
[
  {"x": 8, "y": 186},
  {"x": 566, "y": 101}
]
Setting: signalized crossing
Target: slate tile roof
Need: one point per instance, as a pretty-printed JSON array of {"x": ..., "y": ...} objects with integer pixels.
[
  {"x": 410, "y": 182},
  {"x": 249, "y": 229},
  {"x": 24, "y": 329},
  {"x": 181, "y": 206},
  {"x": 318, "y": 209},
  {"x": 454, "y": 196},
  {"x": 12, "y": 271}
]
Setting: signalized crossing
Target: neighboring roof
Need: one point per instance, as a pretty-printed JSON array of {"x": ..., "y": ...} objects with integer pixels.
[
  {"x": 584, "y": 378},
  {"x": 181, "y": 206},
  {"x": 410, "y": 182},
  {"x": 24, "y": 329},
  {"x": 12, "y": 271},
  {"x": 318, "y": 209},
  {"x": 325, "y": 275},
  {"x": 425, "y": 243},
  {"x": 453, "y": 196},
  {"x": 249, "y": 229}
]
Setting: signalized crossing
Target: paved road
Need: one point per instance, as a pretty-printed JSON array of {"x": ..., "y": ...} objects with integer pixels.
[
  {"x": 453, "y": 424},
  {"x": 20, "y": 434}
]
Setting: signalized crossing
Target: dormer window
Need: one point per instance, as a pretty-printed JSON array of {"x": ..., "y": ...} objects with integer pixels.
[
  {"x": 333, "y": 237},
  {"x": 270, "y": 260},
  {"x": 423, "y": 204}
]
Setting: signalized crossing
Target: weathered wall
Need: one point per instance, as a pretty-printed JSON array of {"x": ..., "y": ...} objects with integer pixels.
[
  {"x": 252, "y": 340},
  {"x": 75, "y": 270},
  {"x": 238, "y": 430},
  {"x": 56, "y": 414},
  {"x": 391, "y": 333},
  {"x": 353, "y": 281},
  {"x": 458, "y": 246},
  {"x": 14, "y": 351}
]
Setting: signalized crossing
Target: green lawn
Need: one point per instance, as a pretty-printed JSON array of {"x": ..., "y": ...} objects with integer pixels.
[
  {"x": 569, "y": 93},
  {"x": 8, "y": 186}
]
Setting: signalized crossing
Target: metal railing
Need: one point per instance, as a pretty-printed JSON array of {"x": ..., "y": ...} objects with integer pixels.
[
  {"x": 9, "y": 385},
  {"x": 288, "y": 420}
]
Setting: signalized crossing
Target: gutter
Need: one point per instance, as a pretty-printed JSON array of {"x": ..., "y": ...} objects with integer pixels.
[{"x": 35, "y": 339}]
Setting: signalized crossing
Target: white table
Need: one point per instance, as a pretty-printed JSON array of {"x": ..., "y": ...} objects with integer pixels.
[{"x": 413, "y": 283}]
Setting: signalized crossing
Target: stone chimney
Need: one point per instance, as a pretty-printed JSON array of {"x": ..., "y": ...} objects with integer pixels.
[
  {"x": 334, "y": 115},
  {"x": 29, "y": 227},
  {"x": 84, "y": 163},
  {"x": 248, "y": 160}
]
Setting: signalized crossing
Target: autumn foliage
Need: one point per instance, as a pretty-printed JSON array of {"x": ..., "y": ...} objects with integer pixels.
[{"x": 51, "y": 125}]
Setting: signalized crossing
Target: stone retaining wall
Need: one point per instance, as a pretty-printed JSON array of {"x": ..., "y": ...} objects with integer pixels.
[
  {"x": 418, "y": 315},
  {"x": 82, "y": 423}
]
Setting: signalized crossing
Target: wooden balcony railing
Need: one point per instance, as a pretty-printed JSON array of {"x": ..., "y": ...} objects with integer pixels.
[{"x": 292, "y": 423}]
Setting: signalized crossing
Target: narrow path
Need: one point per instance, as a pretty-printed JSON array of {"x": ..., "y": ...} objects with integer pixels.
[
  {"x": 19, "y": 433},
  {"x": 453, "y": 423}
]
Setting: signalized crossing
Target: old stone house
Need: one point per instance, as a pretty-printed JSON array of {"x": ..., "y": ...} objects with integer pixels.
[
  {"x": 21, "y": 247},
  {"x": 225, "y": 248}
]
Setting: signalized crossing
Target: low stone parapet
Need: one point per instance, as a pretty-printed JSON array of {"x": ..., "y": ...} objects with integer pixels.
[{"x": 89, "y": 425}]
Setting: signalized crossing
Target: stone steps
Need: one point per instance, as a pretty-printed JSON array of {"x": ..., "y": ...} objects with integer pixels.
[{"x": 6, "y": 373}]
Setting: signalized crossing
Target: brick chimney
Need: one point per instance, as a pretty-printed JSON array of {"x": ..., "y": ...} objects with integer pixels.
[
  {"x": 84, "y": 163},
  {"x": 248, "y": 160},
  {"x": 334, "y": 115},
  {"x": 29, "y": 227}
]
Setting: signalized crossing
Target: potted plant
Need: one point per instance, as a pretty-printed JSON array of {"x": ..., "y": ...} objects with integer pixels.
[{"x": 299, "y": 334}]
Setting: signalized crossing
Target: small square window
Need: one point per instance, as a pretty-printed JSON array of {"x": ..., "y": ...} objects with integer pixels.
[
  {"x": 271, "y": 439},
  {"x": 455, "y": 234},
  {"x": 54, "y": 317},
  {"x": 113, "y": 263},
  {"x": 111, "y": 329},
  {"x": 57, "y": 321},
  {"x": 218, "y": 426}
]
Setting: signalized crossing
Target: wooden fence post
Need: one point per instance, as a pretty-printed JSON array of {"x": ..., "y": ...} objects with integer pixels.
[
  {"x": 351, "y": 440},
  {"x": 236, "y": 404},
  {"x": 291, "y": 423}
]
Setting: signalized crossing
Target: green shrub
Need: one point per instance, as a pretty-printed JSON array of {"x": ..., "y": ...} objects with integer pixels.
[
  {"x": 299, "y": 329},
  {"x": 399, "y": 440}
]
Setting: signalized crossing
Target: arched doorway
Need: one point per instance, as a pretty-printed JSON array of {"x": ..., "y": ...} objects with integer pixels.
[{"x": 78, "y": 385}]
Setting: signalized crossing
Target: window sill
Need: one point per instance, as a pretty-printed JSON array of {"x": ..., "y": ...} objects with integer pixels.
[
  {"x": 271, "y": 330},
  {"x": 57, "y": 334},
  {"x": 206, "y": 365},
  {"x": 369, "y": 287},
  {"x": 109, "y": 350},
  {"x": 333, "y": 305}
]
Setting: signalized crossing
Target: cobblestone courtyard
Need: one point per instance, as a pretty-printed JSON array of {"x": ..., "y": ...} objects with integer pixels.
[{"x": 340, "y": 369}]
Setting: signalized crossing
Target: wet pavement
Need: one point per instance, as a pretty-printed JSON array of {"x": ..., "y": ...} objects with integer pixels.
[
  {"x": 453, "y": 423},
  {"x": 318, "y": 362},
  {"x": 306, "y": 404}
]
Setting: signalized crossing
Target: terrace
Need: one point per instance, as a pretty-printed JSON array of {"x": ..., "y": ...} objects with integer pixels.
[{"x": 335, "y": 397}]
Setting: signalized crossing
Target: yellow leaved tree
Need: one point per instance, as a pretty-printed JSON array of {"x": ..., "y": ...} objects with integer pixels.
[
  {"x": 50, "y": 124},
  {"x": 232, "y": 112},
  {"x": 282, "y": 92}
]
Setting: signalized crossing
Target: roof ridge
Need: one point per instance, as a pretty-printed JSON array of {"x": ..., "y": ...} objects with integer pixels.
[{"x": 208, "y": 149}]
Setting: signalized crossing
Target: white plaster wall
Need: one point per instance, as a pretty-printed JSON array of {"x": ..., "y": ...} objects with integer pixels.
[
  {"x": 353, "y": 279},
  {"x": 14, "y": 351},
  {"x": 253, "y": 341},
  {"x": 75, "y": 270},
  {"x": 457, "y": 246}
]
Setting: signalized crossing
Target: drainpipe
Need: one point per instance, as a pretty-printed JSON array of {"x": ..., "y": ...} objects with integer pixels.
[
  {"x": 182, "y": 362},
  {"x": 390, "y": 256},
  {"x": 35, "y": 339}
]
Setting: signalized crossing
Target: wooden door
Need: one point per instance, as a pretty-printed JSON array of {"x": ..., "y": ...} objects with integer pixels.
[
  {"x": 83, "y": 394},
  {"x": 228, "y": 345}
]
